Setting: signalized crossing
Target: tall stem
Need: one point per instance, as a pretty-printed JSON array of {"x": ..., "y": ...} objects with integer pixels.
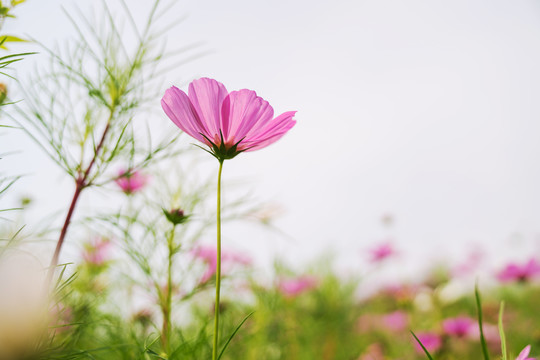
[
  {"x": 218, "y": 265},
  {"x": 166, "y": 329},
  {"x": 80, "y": 184}
]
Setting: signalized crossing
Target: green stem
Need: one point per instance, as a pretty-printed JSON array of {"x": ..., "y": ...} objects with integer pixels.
[
  {"x": 165, "y": 333},
  {"x": 218, "y": 266}
]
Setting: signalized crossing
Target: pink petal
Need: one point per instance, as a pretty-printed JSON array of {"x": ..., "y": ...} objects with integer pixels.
[
  {"x": 178, "y": 108},
  {"x": 271, "y": 132},
  {"x": 244, "y": 112},
  {"x": 206, "y": 96},
  {"x": 524, "y": 353}
]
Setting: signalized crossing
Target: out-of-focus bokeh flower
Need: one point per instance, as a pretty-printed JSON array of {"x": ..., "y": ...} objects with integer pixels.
[
  {"x": 460, "y": 326},
  {"x": 208, "y": 254},
  {"x": 520, "y": 272},
  {"x": 431, "y": 341},
  {"x": 296, "y": 286},
  {"x": 97, "y": 251},
  {"x": 229, "y": 123},
  {"x": 381, "y": 252},
  {"x": 395, "y": 321},
  {"x": 131, "y": 181}
]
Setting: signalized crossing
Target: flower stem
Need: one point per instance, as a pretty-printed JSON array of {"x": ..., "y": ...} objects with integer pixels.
[
  {"x": 167, "y": 307},
  {"x": 218, "y": 266},
  {"x": 81, "y": 183}
]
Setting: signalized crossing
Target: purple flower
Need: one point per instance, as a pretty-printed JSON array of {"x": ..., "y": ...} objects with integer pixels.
[
  {"x": 519, "y": 272},
  {"x": 432, "y": 342},
  {"x": 229, "y": 123},
  {"x": 131, "y": 181},
  {"x": 296, "y": 286},
  {"x": 460, "y": 326}
]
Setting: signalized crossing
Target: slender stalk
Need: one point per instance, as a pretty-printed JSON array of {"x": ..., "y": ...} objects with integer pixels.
[
  {"x": 218, "y": 266},
  {"x": 80, "y": 184},
  {"x": 166, "y": 328}
]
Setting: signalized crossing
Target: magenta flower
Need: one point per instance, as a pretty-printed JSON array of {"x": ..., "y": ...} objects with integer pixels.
[
  {"x": 523, "y": 355},
  {"x": 460, "y": 326},
  {"x": 395, "y": 321},
  {"x": 96, "y": 252},
  {"x": 293, "y": 287},
  {"x": 518, "y": 272},
  {"x": 381, "y": 252},
  {"x": 432, "y": 342},
  {"x": 209, "y": 256},
  {"x": 229, "y": 123},
  {"x": 131, "y": 181}
]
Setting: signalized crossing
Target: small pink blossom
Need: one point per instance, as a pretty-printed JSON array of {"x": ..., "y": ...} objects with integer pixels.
[
  {"x": 209, "y": 256},
  {"x": 432, "y": 342},
  {"x": 520, "y": 272},
  {"x": 523, "y": 355},
  {"x": 131, "y": 181},
  {"x": 96, "y": 252},
  {"x": 381, "y": 252},
  {"x": 460, "y": 326},
  {"x": 395, "y": 321},
  {"x": 296, "y": 286}
]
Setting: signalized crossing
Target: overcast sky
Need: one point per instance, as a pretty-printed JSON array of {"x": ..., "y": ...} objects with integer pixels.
[{"x": 427, "y": 110}]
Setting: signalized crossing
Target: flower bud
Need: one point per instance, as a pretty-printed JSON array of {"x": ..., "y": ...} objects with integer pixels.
[{"x": 176, "y": 216}]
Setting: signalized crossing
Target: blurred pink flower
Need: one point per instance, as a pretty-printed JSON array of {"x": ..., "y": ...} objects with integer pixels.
[
  {"x": 96, "y": 252},
  {"x": 396, "y": 321},
  {"x": 208, "y": 254},
  {"x": 460, "y": 326},
  {"x": 519, "y": 272},
  {"x": 373, "y": 352},
  {"x": 381, "y": 252},
  {"x": 432, "y": 342},
  {"x": 491, "y": 334},
  {"x": 471, "y": 263},
  {"x": 229, "y": 123},
  {"x": 131, "y": 181},
  {"x": 296, "y": 286},
  {"x": 523, "y": 355}
]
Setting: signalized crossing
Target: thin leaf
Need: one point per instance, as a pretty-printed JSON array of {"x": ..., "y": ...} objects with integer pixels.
[
  {"x": 480, "y": 322},
  {"x": 423, "y": 347},
  {"x": 501, "y": 332},
  {"x": 234, "y": 333}
]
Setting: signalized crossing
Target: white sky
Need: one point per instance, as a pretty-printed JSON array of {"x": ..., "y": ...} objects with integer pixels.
[{"x": 427, "y": 110}]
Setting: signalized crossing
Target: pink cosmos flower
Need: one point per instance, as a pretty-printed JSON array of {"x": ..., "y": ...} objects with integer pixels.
[
  {"x": 432, "y": 342},
  {"x": 209, "y": 256},
  {"x": 381, "y": 252},
  {"x": 460, "y": 326},
  {"x": 523, "y": 355},
  {"x": 131, "y": 181},
  {"x": 229, "y": 123},
  {"x": 518, "y": 272},
  {"x": 296, "y": 286},
  {"x": 395, "y": 321},
  {"x": 96, "y": 252}
]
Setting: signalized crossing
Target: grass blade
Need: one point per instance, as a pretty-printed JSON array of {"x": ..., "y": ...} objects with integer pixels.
[
  {"x": 501, "y": 332},
  {"x": 423, "y": 347},
  {"x": 234, "y": 333},
  {"x": 480, "y": 321}
]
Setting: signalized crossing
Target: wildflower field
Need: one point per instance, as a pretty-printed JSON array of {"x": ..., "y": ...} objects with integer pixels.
[{"x": 137, "y": 263}]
